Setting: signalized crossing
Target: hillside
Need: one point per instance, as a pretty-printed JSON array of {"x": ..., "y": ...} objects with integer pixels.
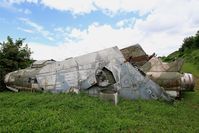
[
  {"x": 191, "y": 61},
  {"x": 191, "y": 58},
  {"x": 189, "y": 51}
]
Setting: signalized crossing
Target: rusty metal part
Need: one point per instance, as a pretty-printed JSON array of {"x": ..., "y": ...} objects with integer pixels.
[
  {"x": 135, "y": 55},
  {"x": 137, "y": 59}
]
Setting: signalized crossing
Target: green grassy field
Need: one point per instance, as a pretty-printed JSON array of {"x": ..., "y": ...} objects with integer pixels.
[
  {"x": 188, "y": 67},
  {"x": 39, "y": 112},
  {"x": 46, "y": 112}
]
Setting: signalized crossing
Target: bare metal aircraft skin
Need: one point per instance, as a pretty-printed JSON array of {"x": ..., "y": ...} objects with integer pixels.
[
  {"x": 167, "y": 75},
  {"x": 91, "y": 73}
]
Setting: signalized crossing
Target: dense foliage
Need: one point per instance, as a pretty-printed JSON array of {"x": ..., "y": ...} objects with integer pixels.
[
  {"x": 190, "y": 43},
  {"x": 13, "y": 56}
]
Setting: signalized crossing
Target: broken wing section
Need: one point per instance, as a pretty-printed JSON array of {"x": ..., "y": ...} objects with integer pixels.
[
  {"x": 174, "y": 66},
  {"x": 155, "y": 64}
]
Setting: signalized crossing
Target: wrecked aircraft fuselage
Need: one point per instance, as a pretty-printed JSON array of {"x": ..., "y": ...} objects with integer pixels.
[
  {"x": 91, "y": 73},
  {"x": 167, "y": 75}
]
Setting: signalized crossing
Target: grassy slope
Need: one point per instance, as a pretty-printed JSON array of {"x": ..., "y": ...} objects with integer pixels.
[
  {"x": 27, "y": 112},
  {"x": 191, "y": 68}
]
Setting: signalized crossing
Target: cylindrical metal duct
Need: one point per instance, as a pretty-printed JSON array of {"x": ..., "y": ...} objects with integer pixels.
[
  {"x": 187, "y": 82},
  {"x": 173, "y": 80}
]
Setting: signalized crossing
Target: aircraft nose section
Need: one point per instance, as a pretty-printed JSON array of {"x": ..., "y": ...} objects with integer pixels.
[
  {"x": 187, "y": 82},
  {"x": 6, "y": 78}
]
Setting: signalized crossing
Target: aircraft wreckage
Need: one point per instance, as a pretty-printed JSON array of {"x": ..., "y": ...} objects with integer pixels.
[
  {"x": 128, "y": 73},
  {"x": 167, "y": 75}
]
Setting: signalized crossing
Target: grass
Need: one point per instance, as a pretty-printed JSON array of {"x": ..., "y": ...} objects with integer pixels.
[
  {"x": 45, "y": 112},
  {"x": 191, "y": 68}
]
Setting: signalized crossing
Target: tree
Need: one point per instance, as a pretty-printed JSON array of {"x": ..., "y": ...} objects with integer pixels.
[
  {"x": 196, "y": 40},
  {"x": 191, "y": 42},
  {"x": 188, "y": 43},
  {"x": 13, "y": 56}
]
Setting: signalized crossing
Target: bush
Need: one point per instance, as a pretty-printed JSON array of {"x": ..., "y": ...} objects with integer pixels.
[{"x": 13, "y": 56}]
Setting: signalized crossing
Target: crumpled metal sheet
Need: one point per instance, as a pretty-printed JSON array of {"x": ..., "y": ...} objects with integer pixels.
[{"x": 81, "y": 72}]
